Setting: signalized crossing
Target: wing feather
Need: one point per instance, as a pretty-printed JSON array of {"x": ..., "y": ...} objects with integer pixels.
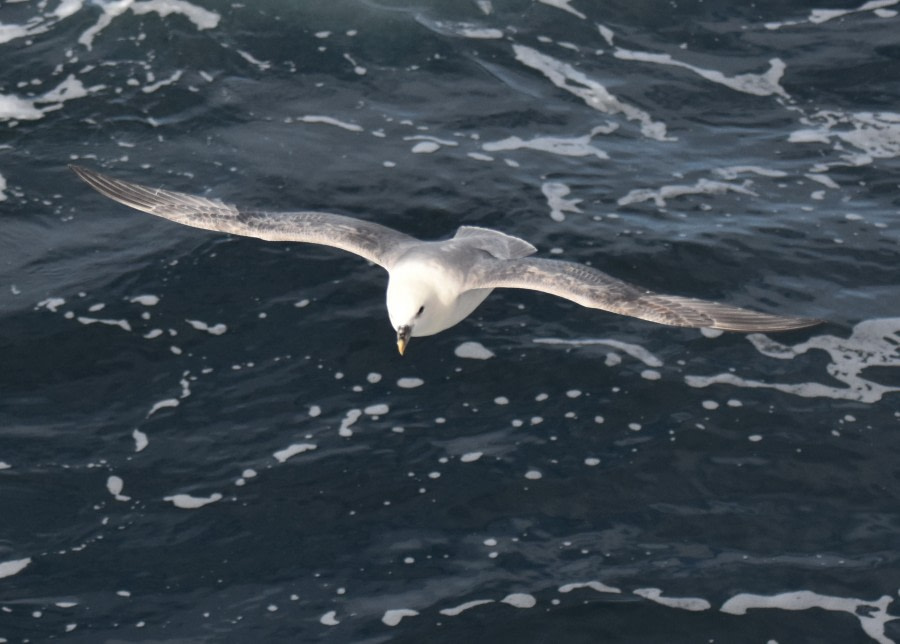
[
  {"x": 594, "y": 289},
  {"x": 374, "y": 242}
]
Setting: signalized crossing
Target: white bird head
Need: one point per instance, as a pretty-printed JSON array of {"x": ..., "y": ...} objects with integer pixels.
[{"x": 412, "y": 305}]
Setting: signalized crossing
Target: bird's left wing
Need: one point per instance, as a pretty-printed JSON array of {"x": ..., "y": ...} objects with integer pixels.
[
  {"x": 374, "y": 242},
  {"x": 592, "y": 288}
]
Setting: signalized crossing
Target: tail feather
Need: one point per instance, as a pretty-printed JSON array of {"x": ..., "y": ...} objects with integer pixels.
[{"x": 500, "y": 245}]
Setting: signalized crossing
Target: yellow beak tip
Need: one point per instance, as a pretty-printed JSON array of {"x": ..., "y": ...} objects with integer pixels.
[{"x": 401, "y": 346}]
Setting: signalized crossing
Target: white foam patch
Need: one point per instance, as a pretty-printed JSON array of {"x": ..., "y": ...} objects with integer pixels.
[
  {"x": 140, "y": 440},
  {"x": 13, "y": 567},
  {"x": 579, "y": 146},
  {"x": 216, "y": 329},
  {"x": 152, "y": 87},
  {"x": 470, "y": 457},
  {"x": 202, "y": 18},
  {"x": 188, "y": 502},
  {"x": 565, "y": 5},
  {"x": 873, "y": 343},
  {"x": 634, "y": 350},
  {"x": 29, "y": 109},
  {"x": 163, "y": 404},
  {"x": 115, "y": 485},
  {"x": 765, "y": 84},
  {"x": 327, "y": 120},
  {"x": 329, "y": 619},
  {"x": 600, "y": 587},
  {"x": 818, "y": 16},
  {"x": 425, "y": 147},
  {"x": 349, "y": 419},
  {"x": 456, "y": 610},
  {"x": 3, "y": 195},
  {"x": 52, "y": 304},
  {"x": 122, "y": 324},
  {"x": 875, "y": 135},
  {"x": 682, "y": 603},
  {"x": 701, "y": 187},
  {"x": 379, "y": 409},
  {"x": 410, "y": 383},
  {"x": 394, "y": 616},
  {"x": 872, "y": 616},
  {"x": 734, "y": 171},
  {"x": 556, "y": 194},
  {"x": 594, "y": 94},
  {"x": 4, "y": 465},
  {"x": 461, "y": 29},
  {"x": 520, "y": 600},
  {"x": 473, "y": 351},
  {"x": 292, "y": 450}
]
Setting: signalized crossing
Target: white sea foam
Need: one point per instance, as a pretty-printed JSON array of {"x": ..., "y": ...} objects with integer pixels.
[
  {"x": 473, "y": 351},
  {"x": 122, "y": 324},
  {"x": 349, "y": 419},
  {"x": 329, "y": 619},
  {"x": 556, "y": 194},
  {"x": 140, "y": 440},
  {"x": 872, "y": 615},
  {"x": 327, "y": 120},
  {"x": 460, "y": 29},
  {"x": 292, "y": 450},
  {"x": 874, "y": 135},
  {"x": 115, "y": 485},
  {"x": 765, "y": 84},
  {"x": 456, "y": 610},
  {"x": 202, "y": 18},
  {"x": 600, "y": 587},
  {"x": 634, "y": 350},
  {"x": 145, "y": 300},
  {"x": 189, "y": 502},
  {"x": 379, "y": 409},
  {"x": 579, "y": 146},
  {"x": 394, "y": 616},
  {"x": 52, "y": 304},
  {"x": 216, "y": 329},
  {"x": 29, "y": 109},
  {"x": 873, "y": 343},
  {"x": 565, "y": 5},
  {"x": 682, "y": 603},
  {"x": 13, "y": 567},
  {"x": 593, "y": 93},
  {"x": 701, "y": 187},
  {"x": 162, "y": 404},
  {"x": 818, "y": 16},
  {"x": 520, "y": 600},
  {"x": 734, "y": 171}
]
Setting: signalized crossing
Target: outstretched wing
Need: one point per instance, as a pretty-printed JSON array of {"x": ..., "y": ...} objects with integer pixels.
[
  {"x": 374, "y": 242},
  {"x": 592, "y": 288}
]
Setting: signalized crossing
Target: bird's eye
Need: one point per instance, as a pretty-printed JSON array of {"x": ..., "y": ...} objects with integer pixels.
[{"x": 419, "y": 312}]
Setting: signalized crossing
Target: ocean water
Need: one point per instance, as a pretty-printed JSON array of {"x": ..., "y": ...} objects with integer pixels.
[{"x": 206, "y": 438}]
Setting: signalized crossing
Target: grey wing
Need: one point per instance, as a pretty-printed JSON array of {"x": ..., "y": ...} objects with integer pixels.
[
  {"x": 374, "y": 242},
  {"x": 592, "y": 288}
]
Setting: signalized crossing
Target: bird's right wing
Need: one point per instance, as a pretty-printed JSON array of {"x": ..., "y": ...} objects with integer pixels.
[
  {"x": 374, "y": 242},
  {"x": 592, "y": 288}
]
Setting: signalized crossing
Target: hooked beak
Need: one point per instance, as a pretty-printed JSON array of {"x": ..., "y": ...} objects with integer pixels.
[{"x": 403, "y": 334}]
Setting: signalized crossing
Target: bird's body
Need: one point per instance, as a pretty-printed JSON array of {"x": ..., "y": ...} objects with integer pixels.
[{"x": 434, "y": 285}]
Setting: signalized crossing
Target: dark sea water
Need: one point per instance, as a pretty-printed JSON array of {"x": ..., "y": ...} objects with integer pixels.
[{"x": 207, "y": 438}]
